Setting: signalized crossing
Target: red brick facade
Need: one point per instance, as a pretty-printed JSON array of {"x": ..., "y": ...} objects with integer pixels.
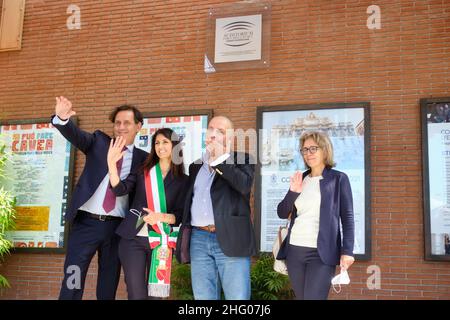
[{"x": 150, "y": 53}]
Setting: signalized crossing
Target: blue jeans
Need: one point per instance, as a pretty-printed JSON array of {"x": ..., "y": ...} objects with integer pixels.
[{"x": 212, "y": 270}]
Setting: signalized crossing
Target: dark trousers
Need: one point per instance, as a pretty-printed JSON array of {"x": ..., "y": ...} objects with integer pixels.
[
  {"x": 135, "y": 256},
  {"x": 87, "y": 237},
  {"x": 310, "y": 277}
]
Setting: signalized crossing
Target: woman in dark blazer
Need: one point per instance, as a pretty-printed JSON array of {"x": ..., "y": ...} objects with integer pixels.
[
  {"x": 316, "y": 202},
  {"x": 134, "y": 248}
]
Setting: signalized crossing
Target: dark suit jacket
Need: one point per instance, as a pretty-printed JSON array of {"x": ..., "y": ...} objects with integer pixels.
[
  {"x": 175, "y": 189},
  {"x": 336, "y": 204},
  {"x": 230, "y": 195},
  {"x": 95, "y": 146}
]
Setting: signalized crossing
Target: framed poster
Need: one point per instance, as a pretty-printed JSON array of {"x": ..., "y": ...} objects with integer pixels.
[
  {"x": 190, "y": 126},
  {"x": 435, "y": 118},
  {"x": 40, "y": 176},
  {"x": 280, "y": 128}
]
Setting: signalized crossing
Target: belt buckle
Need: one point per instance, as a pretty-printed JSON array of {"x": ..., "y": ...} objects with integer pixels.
[
  {"x": 211, "y": 228},
  {"x": 102, "y": 217}
]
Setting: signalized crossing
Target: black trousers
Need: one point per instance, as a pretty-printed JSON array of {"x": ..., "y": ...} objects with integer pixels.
[
  {"x": 135, "y": 256},
  {"x": 310, "y": 277},
  {"x": 87, "y": 237}
]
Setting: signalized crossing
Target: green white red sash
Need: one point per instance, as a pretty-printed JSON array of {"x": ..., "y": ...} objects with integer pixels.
[{"x": 162, "y": 239}]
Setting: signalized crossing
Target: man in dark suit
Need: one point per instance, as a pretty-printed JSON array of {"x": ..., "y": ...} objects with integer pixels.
[
  {"x": 94, "y": 211},
  {"x": 218, "y": 209}
]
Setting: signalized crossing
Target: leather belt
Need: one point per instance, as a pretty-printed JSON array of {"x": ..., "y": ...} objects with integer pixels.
[
  {"x": 210, "y": 228},
  {"x": 99, "y": 217}
]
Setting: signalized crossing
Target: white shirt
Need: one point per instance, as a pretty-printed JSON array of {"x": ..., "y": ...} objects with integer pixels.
[
  {"x": 305, "y": 231},
  {"x": 95, "y": 203}
]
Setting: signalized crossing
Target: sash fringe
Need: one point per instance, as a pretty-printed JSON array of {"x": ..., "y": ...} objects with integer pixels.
[{"x": 160, "y": 290}]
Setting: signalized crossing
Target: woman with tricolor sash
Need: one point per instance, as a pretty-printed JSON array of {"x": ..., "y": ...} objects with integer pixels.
[{"x": 147, "y": 233}]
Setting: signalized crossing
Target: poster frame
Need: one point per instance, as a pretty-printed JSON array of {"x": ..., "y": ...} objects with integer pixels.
[
  {"x": 69, "y": 187},
  {"x": 424, "y": 103},
  {"x": 367, "y": 169}
]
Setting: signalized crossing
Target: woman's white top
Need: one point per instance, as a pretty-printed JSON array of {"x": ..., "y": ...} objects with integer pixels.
[{"x": 305, "y": 231}]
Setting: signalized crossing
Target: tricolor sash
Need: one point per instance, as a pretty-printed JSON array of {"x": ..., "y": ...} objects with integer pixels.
[{"x": 161, "y": 237}]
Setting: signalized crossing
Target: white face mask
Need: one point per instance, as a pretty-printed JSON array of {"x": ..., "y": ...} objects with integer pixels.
[{"x": 341, "y": 278}]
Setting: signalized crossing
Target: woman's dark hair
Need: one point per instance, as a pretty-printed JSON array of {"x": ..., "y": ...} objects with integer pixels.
[
  {"x": 176, "y": 166},
  {"x": 127, "y": 107}
]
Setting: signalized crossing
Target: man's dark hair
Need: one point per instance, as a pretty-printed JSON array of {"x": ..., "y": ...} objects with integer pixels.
[{"x": 127, "y": 107}]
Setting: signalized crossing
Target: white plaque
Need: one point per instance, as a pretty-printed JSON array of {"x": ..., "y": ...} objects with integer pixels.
[{"x": 238, "y": 39}]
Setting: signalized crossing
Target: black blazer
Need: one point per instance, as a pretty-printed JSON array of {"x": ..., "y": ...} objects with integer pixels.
[
  {"x": 95, "y": 146},
  {"x": 336, "y": 204},
  {"x": 230, "y": 195},
  {"x": 175, "y": 189}
]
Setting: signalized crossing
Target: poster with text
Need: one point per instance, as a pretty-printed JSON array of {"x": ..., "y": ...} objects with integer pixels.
[
  {"x": 38, "y": 176},
  {"x": 436, "y": 177},
  {"x": 191, "y": 130},
  {"x": 280, "y": 157}
]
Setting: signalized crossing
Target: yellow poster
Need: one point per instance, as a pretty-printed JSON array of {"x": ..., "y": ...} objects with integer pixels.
[{"x": 32, "y": 218}]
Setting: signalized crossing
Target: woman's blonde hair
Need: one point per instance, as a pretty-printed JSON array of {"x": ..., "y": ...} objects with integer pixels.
[{"x": 324, "y": 142}]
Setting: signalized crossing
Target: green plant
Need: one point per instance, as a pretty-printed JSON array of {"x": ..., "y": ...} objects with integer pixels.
[
  {"x": 180, "y": 282},
  {"x": 7, "y": 213},
  {"x": 268, "y": 284}
]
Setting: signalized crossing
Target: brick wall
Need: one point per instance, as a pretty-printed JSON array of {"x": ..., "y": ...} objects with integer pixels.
[{"x": 151, "y": 53}]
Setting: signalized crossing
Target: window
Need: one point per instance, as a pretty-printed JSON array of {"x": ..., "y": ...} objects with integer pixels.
[{"x": 11, "y": 23}]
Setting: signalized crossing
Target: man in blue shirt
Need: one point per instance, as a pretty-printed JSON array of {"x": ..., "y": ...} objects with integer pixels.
[{"x": 218, "y": 210}]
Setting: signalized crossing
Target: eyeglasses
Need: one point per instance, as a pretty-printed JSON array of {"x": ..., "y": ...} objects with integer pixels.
[{"x": 312, "y": 150}]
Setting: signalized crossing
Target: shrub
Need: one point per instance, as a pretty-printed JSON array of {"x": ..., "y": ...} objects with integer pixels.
[
  {"x": 7, "y": 212},
  {"x": 268, "y": 284},
  {"x": 180, "y": 282}
]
